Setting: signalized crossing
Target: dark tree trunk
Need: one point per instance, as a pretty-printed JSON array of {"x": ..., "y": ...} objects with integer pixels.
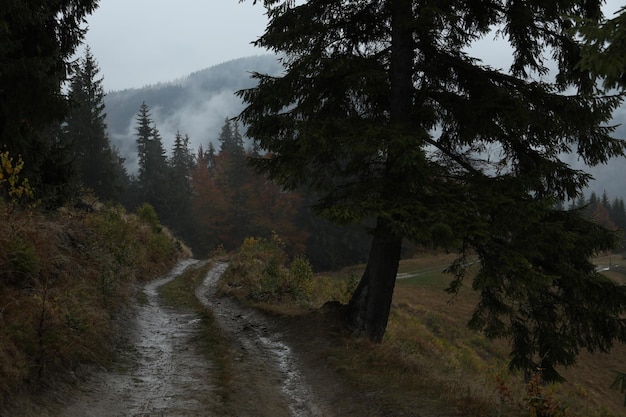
[
  {"x": 368, "y": 310},
  {"x": 369, "y": 307}
]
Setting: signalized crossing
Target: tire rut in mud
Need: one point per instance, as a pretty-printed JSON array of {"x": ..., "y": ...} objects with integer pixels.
[
  {"x": 165, "y": 374},
  {"x": 268, "y": 379}
]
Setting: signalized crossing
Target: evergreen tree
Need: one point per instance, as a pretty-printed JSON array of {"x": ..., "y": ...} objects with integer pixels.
[
  {"x": 209, "y": 158},
  {"x": 121, "y": 175},
  {"x": 382, "y": 110},
  {"x": 618, "y": 213},
  {"x": 153, "y": 168},
  {"x": 591, "y": 205},
  {"x": 605, "y": 199},
  {"x": 237, "y": 137},
  {"x": 97, "y": 164},
  {"x": 181, "y": 162},
  {"x": 230, "y": 139},
  {"x": 144, "y": 134},
  {"x": 603, "y": 52},
  {"x": 178, "y": 214},
  {"x": 37, "y": 40},
  {"x": 580, "y": 201},
  {"x": 232, "y": 175}
]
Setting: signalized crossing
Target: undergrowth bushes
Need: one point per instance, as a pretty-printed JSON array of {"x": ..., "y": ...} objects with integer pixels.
[
  {"x": 260, "y": 273},
  {"x": 62, "y": 276}
]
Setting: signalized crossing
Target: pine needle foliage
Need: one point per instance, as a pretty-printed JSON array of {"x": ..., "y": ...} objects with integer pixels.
[{"x": 383, "y": 110}]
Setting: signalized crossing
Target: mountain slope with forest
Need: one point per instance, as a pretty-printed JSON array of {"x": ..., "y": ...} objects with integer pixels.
[{"x": 196, "y": 104}]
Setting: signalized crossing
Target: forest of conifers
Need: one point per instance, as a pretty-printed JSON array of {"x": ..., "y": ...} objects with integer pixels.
[{"x": 212, "y": 199}]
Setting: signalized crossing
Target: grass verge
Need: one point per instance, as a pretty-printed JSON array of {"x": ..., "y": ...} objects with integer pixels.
[{"x": 429, "y": 359}]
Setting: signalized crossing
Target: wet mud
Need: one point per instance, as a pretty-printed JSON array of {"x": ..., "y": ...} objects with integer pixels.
[
  {"x": 268, "y": 379},
  {"x": 164, "y": 373}
]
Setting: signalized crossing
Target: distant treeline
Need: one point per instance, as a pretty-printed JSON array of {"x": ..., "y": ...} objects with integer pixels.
[
  {"x": 212, "y": 199},
  {"x": 607, "y": 211}
]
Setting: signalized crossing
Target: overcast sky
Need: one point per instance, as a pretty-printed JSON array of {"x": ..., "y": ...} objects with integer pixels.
[{"x": 141, "y": 42}]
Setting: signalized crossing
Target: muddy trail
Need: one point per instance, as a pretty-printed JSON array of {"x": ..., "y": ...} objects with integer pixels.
[{"x": 163, "y": 373}]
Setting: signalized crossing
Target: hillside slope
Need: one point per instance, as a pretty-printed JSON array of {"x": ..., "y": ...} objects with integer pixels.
[
  {"x": 63, "y": 277},
  {"x": 196, "y": 105}
]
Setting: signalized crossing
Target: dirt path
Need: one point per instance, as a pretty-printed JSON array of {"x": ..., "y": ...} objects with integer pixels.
[
  {"x": 268, "y": 379},
  {"x": 281, "y": 368},
  {"x": 164, "y": 374}
]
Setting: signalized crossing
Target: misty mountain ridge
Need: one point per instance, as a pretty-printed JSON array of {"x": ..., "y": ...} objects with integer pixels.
[
  {"x": 195, "y": 105},
  {"x": 198, "y": 104}
]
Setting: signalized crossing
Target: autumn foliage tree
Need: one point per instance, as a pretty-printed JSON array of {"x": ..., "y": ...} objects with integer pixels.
[{"x": 231, "y": 202}]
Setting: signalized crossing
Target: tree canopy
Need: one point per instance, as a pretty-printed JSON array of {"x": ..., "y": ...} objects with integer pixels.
[
  {"x": 153, "y": 167},
  {"x": 603, "y": 51},
  {"x": 383, "y": 110},
  {"x": 231, "y": 202}
]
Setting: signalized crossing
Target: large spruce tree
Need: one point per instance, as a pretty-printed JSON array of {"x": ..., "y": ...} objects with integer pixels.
[
  {"x": 178, "y": 213},
  {"x": 383, "y": 109}
]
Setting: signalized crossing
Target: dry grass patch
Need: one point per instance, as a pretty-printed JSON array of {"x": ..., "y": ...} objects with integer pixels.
[
  {"x": 62, "y": 277},
  {"x": 429, "y": 358}
]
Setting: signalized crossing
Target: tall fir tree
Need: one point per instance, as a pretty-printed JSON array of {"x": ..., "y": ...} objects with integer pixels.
[
  {"x": 178, "y": 214},
  {"x": 209, "y": 158},
  {"x": 618, "y": 212},
  {"x": 97, "y": 164},
  {"x": 231, "y": 140},
  {"x": 384, "y": 111},
  {"x": 181, "y": 162},
  {"x": 153, "y": 168}
]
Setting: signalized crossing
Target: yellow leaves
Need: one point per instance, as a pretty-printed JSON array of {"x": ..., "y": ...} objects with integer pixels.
[{"x": 14, "y": 186}]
